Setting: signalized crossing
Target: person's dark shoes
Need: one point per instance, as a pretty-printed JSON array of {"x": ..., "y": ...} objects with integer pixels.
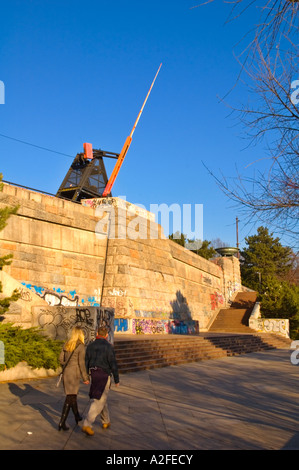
[
  {"x": 78, "y": 418},
  {"x": 63, "y": 426}
]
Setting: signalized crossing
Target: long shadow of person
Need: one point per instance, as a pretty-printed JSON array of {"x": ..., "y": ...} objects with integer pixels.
[
  {"x": 182, "y": 322},
  {"x": 37, "y": 400}
]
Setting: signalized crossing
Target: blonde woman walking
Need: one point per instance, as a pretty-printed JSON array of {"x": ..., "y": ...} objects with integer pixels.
[{"x": 72, "y": 357}]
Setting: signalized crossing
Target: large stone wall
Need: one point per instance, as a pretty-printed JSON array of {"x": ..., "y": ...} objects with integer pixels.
[
  {"x": 162, "y": 286},
  {"x": 55, "y": 251},
  {"x": 113, "y": 255}
]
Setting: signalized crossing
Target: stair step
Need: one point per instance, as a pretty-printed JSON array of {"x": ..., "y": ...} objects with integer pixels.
[
  {"x": 148, "y": 353},
  {"x": 229, "y": 335},
  {"x": 236, "y": 317}
]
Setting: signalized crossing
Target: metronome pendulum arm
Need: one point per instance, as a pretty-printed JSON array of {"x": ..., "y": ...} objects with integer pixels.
[{"x": 126, "y": 146}]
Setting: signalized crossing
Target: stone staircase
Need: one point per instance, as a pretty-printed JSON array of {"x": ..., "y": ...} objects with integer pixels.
[
  {"x": 229, "y": 335},
  {"x": 147, "y": 352},
  {"x": 236, "y": 317}
]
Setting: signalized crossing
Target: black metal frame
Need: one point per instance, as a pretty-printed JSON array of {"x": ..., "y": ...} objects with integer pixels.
[{"x": 85, "y": 178}]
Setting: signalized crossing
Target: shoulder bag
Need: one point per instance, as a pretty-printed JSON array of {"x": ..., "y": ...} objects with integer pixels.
[{"x": 61, "y": 373}]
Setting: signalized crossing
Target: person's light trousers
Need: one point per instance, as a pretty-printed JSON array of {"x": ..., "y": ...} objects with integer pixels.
[{"x": 99, "y": 407}]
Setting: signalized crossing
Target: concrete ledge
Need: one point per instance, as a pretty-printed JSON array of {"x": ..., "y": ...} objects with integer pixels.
[
  {"x": 280, "y": 326},
  {"x": 23, "y": 371}
]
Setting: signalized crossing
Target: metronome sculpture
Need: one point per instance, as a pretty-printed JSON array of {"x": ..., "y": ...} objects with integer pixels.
[{"x": 87, "y": 176}]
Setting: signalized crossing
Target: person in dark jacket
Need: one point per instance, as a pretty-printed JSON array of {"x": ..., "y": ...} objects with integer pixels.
[
  {"x": 100, "y": 361},
  {"x": 72, "y": 354}
]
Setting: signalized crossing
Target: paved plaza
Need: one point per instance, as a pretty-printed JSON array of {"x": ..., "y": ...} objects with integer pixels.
[{"x": 247, "y": 402}]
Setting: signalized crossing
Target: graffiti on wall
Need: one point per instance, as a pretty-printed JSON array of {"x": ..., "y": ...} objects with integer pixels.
[
  {"x": 216, "y": 300},
  {"x": 93, "y": 300},
  {"x": 177, "y": 327},
  {"x": 105, "y": 318},
  {"x": 232, "y": 288},
  {"x": 153, "y": 314},
  {"x": 121, "y": 325},
  {"x": 57, "y": 321},
  {"x": 147, "y": 326},
  {"x": 273, "y": 325},
  {"x": 55, "y": 297},
  {"x": 117, "y": 292},
  {"x": 206, "y": 280},
  {"x": 25, "y": 295}
]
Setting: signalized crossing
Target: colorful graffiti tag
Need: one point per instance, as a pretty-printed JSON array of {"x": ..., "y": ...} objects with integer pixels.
[
  {"x": 216, "y": 299},
  {"x": 58, "y": 297},
  {"x": 55, "y": 297},
  {"x": 121, "y": 325},
  {"x": 179, "y": 327}
]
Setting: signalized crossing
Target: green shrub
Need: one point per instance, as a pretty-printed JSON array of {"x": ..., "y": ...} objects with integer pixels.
[
  {"x": 28, "y": 345},
  {"x": 279, "y": 299}
]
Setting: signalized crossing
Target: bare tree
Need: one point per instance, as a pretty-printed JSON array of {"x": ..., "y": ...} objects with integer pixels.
[
  {"x": 270, "y": 64},
  {"x": 277, "y": 19},
  {"x": 272, "y": 197}
]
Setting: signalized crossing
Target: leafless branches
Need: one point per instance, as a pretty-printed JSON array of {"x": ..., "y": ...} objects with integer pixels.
[{"x": 269, "y": 64}]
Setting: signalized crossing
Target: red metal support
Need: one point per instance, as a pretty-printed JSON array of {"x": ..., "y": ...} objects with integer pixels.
[{"x": 88, "y": 153}]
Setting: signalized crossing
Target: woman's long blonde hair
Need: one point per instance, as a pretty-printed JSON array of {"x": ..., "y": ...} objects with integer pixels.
[{"x": 77, "y": 334}]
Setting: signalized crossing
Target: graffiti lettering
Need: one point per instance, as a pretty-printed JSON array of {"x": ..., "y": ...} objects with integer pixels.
[
  {"x": 25, "y": 295},
  {"x": 272, "y": 325},
  {"x": 53, "y": 298},
  {"x": 83, "y": 316},
  {"x": 177, "y": 327},
  {"x": 164, "y": 326},
  {"x": 232, "y": 287},
  {"x": 121, "y": 324},
  {"x": 97, "y": 295},
  {"x": 57, "y": 322},
  {"x": 105, "y": 318},
  {"x": 207, "y": 280},
  {"x": 118, "y": 292}
]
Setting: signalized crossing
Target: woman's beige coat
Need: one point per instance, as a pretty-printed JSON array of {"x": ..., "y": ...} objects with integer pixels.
[{"x": 74, "y": 370}]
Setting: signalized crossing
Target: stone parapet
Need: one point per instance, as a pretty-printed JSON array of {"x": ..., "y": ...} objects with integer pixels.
[{"x": 279, "y": 326}]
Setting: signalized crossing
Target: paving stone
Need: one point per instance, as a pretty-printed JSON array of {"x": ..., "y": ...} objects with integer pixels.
[{"x": 234, "y": 403}]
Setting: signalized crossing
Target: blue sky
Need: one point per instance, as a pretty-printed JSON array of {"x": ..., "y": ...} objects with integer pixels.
[{"x": 78, "y": 72}]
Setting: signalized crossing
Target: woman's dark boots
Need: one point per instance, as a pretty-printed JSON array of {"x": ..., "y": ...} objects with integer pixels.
[
  {"x": 64, "y": 415},
  {"x": 74, "y": 407},
  {"x": 70, "y": 403}
]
